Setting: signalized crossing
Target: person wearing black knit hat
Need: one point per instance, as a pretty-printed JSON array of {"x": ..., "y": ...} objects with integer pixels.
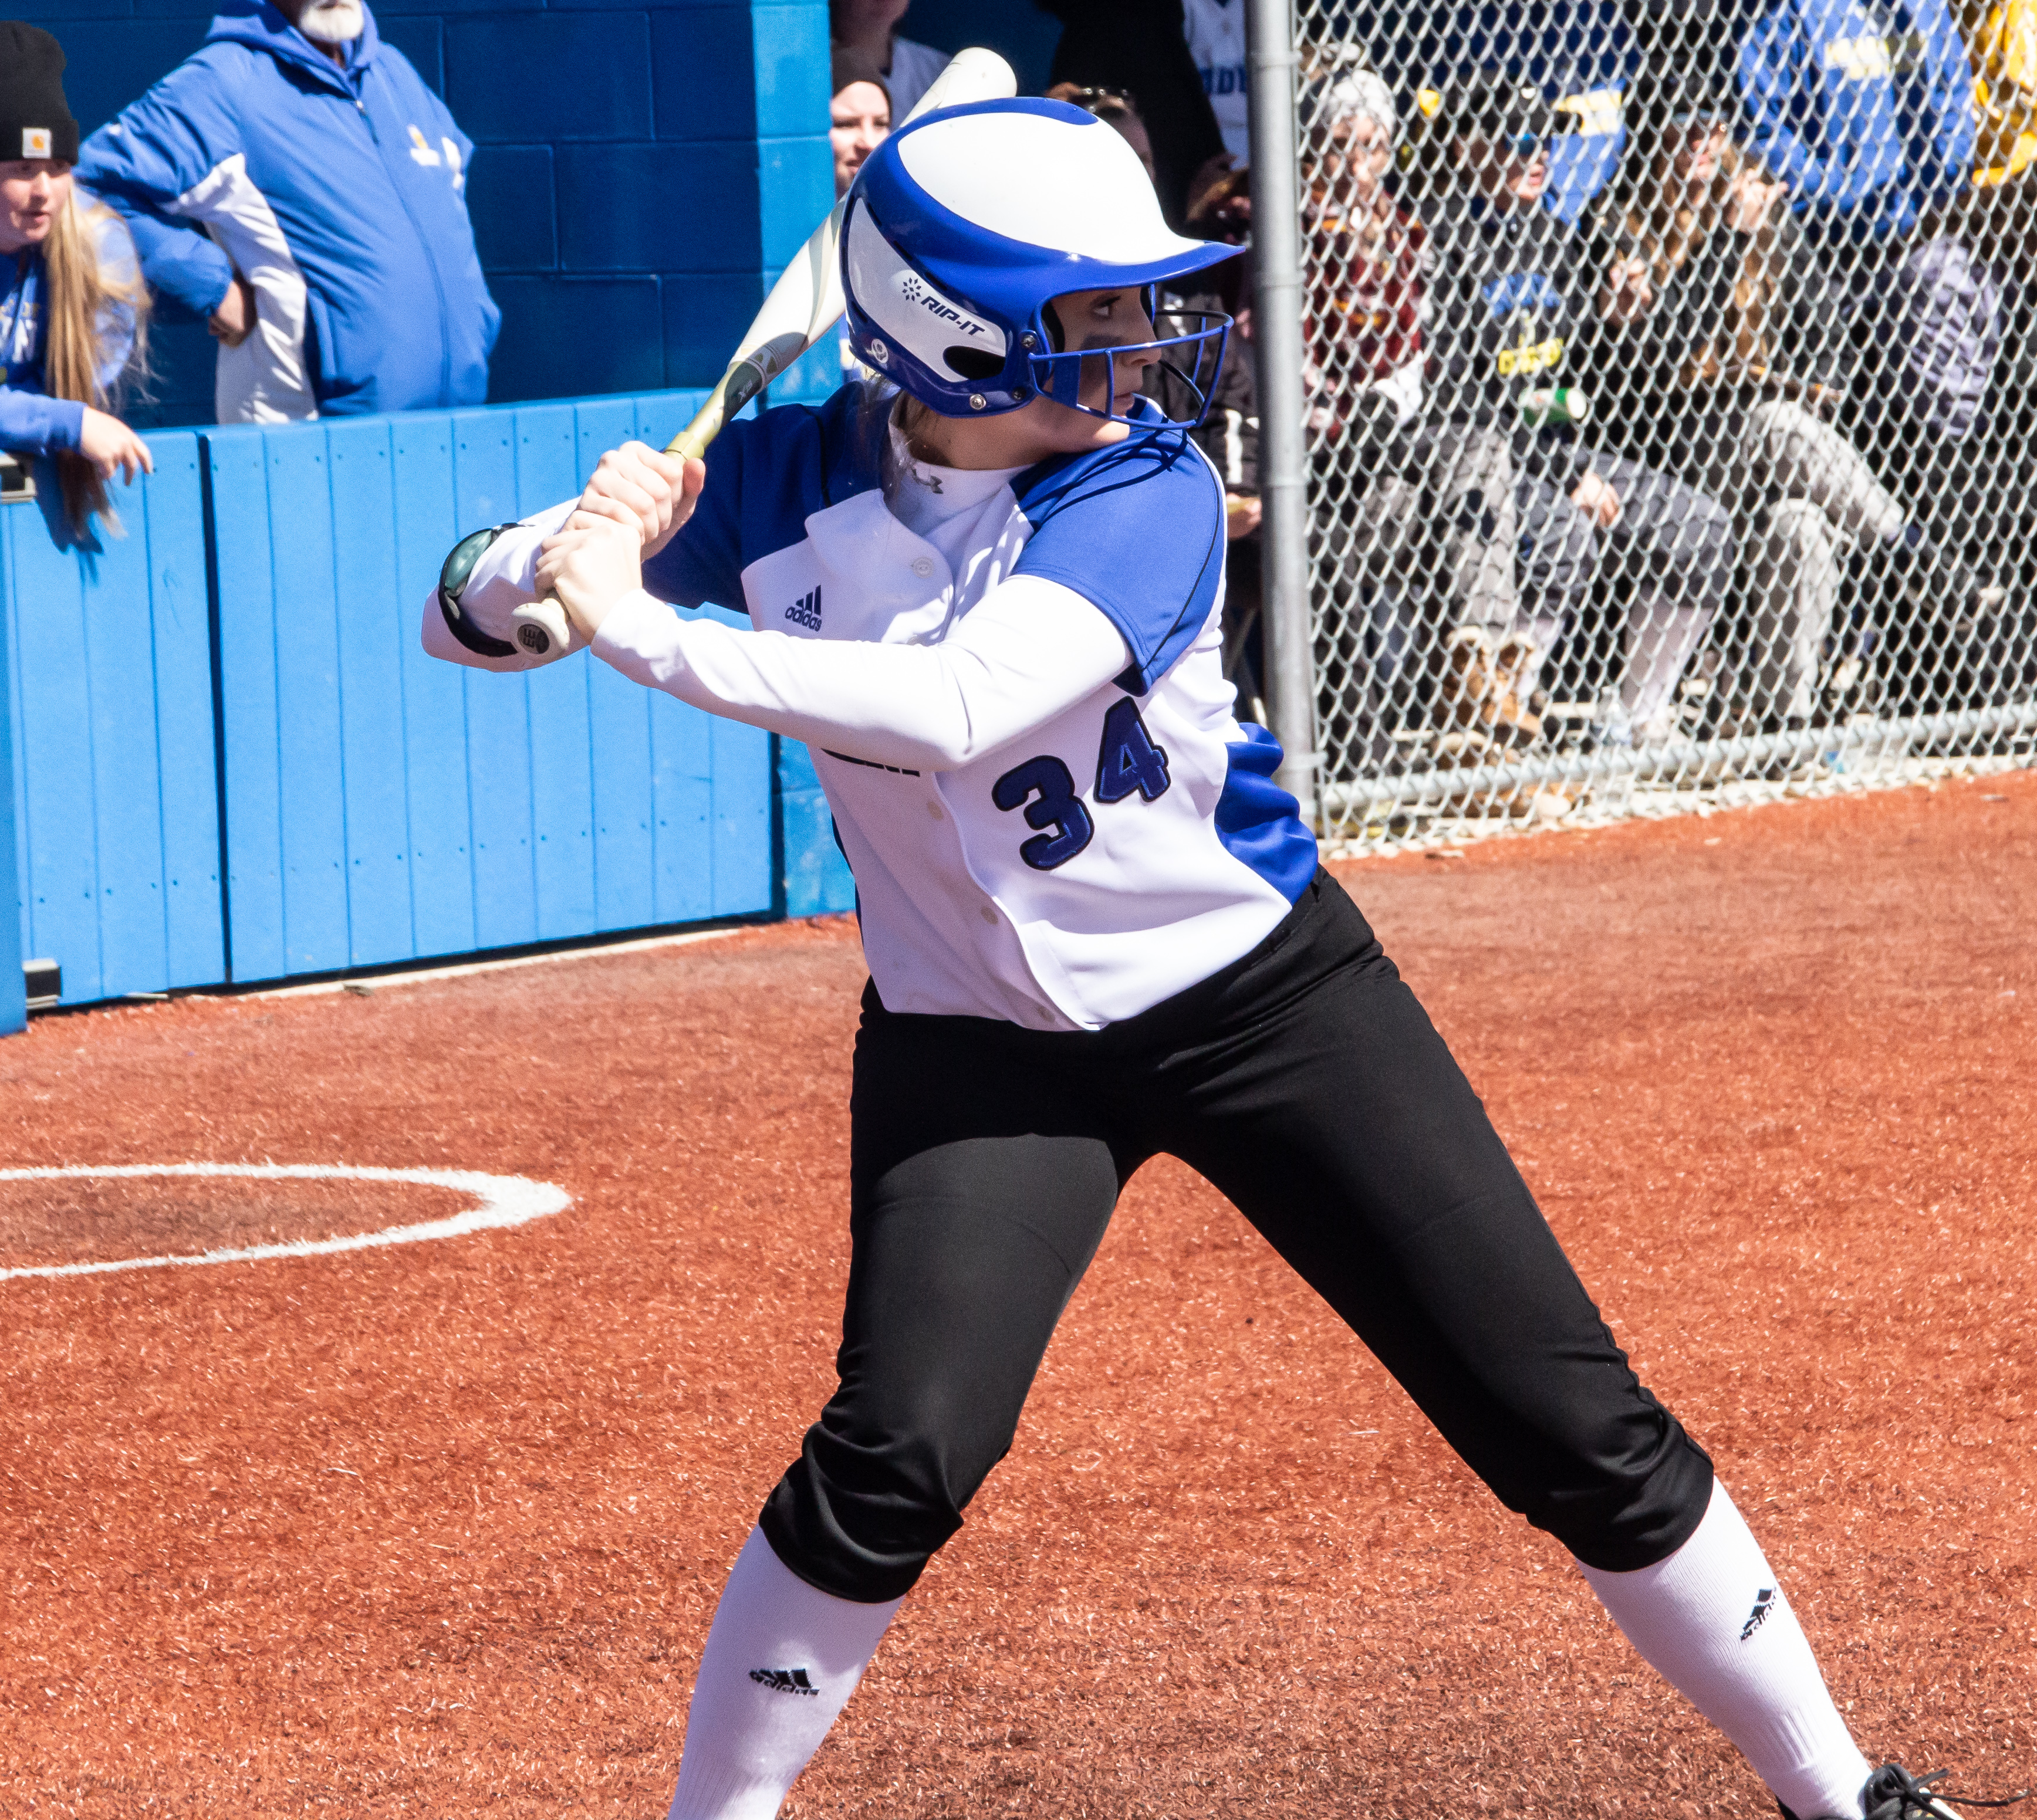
[
  {"x": 34, "y": 119},
  {"x": 72, "y": 306}
]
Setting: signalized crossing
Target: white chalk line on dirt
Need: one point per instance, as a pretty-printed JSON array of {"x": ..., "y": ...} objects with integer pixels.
[{"x": 504, "y": 1201}]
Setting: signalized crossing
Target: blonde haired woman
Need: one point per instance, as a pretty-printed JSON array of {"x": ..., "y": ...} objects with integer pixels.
[{"x": 73, "y": 307}]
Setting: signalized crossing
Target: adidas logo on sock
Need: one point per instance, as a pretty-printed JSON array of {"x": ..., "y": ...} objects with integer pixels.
[
  {"x": 785, "y": 1681},
  {"x": 1764, "y": 1602}
]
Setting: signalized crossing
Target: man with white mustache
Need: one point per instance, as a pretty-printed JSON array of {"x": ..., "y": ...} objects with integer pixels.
[{"x": 296, "y": 184}]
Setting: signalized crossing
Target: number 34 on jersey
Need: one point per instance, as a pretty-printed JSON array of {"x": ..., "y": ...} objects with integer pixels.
[{"x": 1128, "y": 763}]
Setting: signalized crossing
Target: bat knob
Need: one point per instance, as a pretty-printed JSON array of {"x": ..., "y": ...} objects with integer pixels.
[{"x": 541, "y": 630}]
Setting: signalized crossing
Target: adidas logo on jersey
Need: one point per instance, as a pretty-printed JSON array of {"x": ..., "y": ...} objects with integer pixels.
[
  {"x": 785, "y": 1681},
  {"x": 806, "y": 611},
  {"x": 1764, "y": 1602}
]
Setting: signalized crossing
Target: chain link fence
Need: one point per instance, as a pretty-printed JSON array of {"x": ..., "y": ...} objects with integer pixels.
[{"x": 1667, "y": 403}]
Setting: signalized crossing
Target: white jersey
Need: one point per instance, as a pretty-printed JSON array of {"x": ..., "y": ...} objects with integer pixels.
[
  {"x": 1013, "y": 686},
  {"x": 1215, "y": 32}
]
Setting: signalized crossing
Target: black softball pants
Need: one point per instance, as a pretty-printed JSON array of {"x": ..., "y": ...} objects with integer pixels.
[{"x": 1307, "y": 1084}]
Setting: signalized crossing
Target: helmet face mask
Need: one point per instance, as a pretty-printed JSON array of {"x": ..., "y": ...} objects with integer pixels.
[
  {"x": 963, "y": 229},
  {"x": 1189, "y": 361}
]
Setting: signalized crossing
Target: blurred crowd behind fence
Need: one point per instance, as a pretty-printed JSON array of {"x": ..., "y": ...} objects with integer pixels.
[{"x": 1665, "y": 401}]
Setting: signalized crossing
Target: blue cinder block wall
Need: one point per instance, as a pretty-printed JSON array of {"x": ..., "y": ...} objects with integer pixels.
[{"x": 641, "y": 173}]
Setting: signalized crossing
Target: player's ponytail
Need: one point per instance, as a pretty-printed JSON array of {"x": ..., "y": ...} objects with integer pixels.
[{"x": 884, "y": 405}]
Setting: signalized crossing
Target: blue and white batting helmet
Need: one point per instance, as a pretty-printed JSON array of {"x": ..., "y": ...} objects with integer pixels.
[{"x": 962, "y": 228}]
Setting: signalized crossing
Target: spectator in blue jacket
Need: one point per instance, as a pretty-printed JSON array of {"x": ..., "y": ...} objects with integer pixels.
[
  {"x": 1865, "y": 107},
  {"x": 1581, "y": 54},
  {"x": 295, "y": 182},
  {"x": 73, "y": 308}
]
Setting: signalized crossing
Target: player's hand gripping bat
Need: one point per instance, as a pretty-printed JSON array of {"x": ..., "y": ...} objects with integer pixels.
[{"x": 804, "y": 305}]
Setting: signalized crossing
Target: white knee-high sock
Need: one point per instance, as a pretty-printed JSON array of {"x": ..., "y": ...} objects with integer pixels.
[
  {"x": 782, "y": 1659},
  {"x": 1712, "y": 1621}
]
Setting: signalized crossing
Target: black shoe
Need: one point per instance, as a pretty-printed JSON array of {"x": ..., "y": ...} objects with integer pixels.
[{"x": 1892, "y": 1793}]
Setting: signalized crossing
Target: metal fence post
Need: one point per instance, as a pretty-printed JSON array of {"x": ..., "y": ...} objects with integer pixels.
[{"x": 1277, "y": 318}]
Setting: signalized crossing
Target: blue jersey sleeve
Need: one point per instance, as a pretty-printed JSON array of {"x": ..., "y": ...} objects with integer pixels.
[
  {"x": 1137, "y": 530},
  {"x": 32, "y": 424},
  {"x": 703, "y": 564},
  {"x": 766, "y": 475}
]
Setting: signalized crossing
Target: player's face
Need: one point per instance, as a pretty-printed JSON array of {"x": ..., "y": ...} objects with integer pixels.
[
  {"x": 1099, "y": 319},
  {"x": 1091, "y": 321}
]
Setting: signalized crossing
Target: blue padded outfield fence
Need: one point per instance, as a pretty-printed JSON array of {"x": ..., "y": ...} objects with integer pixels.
[{"x": 233, "y": 762}]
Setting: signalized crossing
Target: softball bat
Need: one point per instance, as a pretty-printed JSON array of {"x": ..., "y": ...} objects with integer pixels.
[{"x": 804, "y": 305}]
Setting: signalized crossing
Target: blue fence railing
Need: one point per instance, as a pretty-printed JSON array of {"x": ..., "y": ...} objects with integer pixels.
[
  {"x": 234, "y": 762},
  {"x": 116, "y": 793}
]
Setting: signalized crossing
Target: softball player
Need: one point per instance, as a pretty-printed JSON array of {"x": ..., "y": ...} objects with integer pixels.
[{"x": 990, "y": 600}]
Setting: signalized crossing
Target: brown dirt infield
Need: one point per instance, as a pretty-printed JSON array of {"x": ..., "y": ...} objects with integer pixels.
[{"x": 437, "y": 1531}]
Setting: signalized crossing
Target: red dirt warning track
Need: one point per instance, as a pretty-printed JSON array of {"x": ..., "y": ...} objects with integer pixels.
[{"x": 437, "y": 1530}]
